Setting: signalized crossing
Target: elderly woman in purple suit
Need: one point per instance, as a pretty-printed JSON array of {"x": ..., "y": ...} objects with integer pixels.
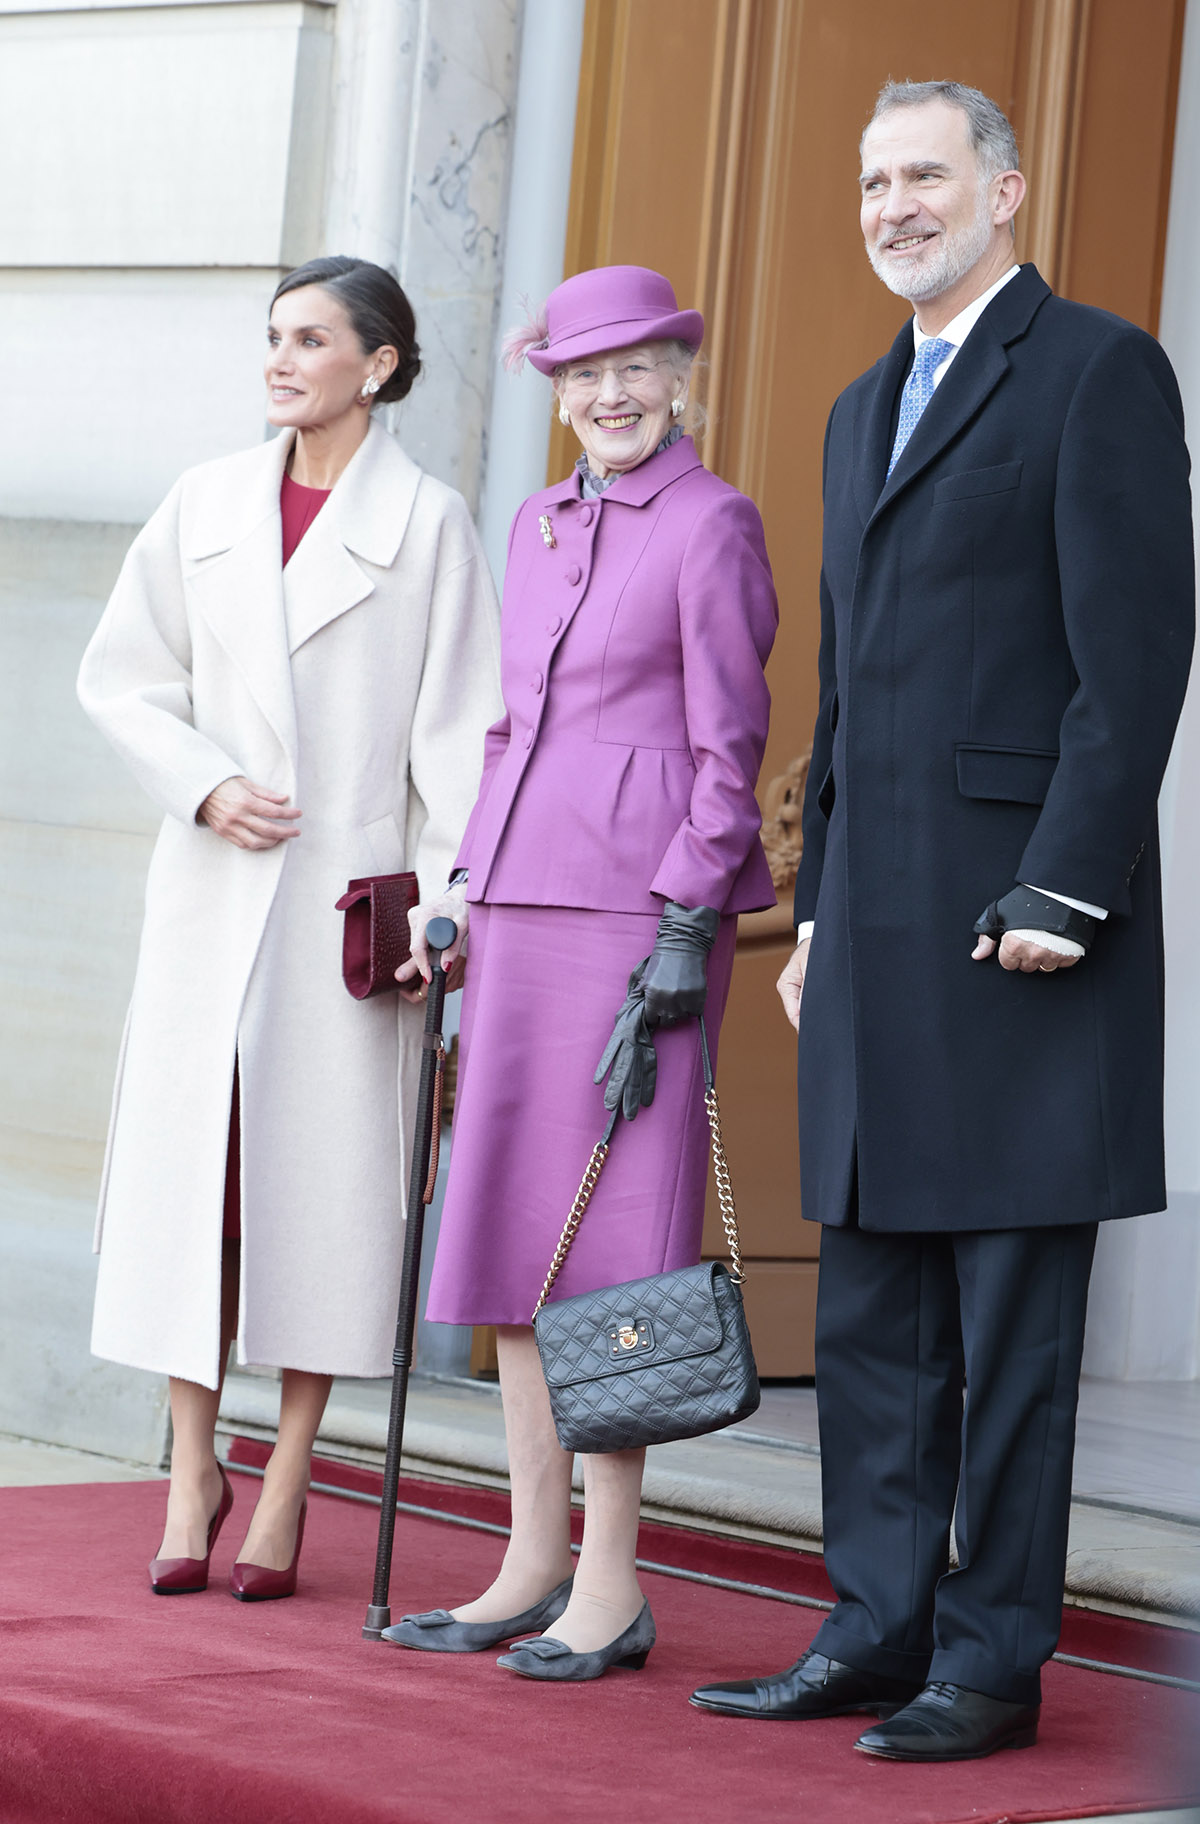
[{"x": 616, "y": 821}]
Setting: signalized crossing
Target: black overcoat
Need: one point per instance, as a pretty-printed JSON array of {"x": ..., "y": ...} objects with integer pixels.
[{"x": 1006, "y": 631}]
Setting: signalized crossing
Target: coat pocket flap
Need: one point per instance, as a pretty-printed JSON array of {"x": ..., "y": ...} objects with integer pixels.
[
  {"x": 1019, "y": 774},
  {"x": 616, "y": 1329},
  {"x": 998, "y": 480}
]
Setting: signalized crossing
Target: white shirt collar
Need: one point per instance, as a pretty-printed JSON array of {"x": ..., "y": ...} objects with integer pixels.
[{"x": 959, "y": 328}]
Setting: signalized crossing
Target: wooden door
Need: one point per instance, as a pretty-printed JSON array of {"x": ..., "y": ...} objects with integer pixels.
[{"x": 716, "y": 140}]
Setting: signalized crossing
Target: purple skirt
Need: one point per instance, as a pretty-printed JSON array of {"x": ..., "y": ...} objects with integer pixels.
[{"x": 543, "y": 988}]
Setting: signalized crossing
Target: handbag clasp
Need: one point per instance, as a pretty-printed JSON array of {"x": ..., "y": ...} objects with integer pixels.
[{"x": 628, "y": 1337}]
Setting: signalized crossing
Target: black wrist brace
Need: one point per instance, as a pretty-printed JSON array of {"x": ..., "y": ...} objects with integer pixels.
[{"x": 1025, "y": 910}]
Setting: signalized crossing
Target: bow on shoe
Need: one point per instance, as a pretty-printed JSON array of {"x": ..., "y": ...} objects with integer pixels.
[{"x": 543, "y": 1646}]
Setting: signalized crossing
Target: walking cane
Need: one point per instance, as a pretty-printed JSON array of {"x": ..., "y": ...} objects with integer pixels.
[{"x": 440, "y": 933}]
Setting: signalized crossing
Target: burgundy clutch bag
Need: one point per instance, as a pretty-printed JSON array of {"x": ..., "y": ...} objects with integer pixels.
[{"x": 375, "y": 939}]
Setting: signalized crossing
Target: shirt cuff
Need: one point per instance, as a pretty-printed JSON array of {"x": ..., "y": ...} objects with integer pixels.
[
  {"x": 1076, "y": 905},
  {"x": 805, "y": 931}
]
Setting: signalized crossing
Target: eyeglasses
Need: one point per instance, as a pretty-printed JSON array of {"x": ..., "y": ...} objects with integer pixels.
[{"x": 631, "y": 375}]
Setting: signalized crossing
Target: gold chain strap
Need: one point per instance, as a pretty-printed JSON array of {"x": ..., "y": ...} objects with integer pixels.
[
  {"x": 582, "y": 1199},
  {"x": 724, "y": 1188},
  {"x": 724, "y": 1198}
]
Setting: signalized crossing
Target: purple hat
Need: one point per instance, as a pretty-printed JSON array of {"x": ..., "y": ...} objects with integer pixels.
[{"x": 608, "y": 307}]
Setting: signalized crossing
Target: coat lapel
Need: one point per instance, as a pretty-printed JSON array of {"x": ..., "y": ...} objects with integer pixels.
[
  {"x": 365, "y": 517},
  {"x": 232, "y": 547},
  {"x": 976, "y": 371},
  {"x": 872, "y": 445}
]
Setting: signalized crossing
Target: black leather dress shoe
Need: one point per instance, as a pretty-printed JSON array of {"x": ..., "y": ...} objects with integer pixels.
[
  {"x": 814, "y": 1686},
  {"x": 950, "y": 1723}
]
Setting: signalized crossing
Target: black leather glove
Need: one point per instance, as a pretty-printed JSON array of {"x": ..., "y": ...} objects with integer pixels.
[
  {"x": 676, "y": 979},
  {"x": 1026, "y": 910},
  {"x": 630, "y": 1054}
]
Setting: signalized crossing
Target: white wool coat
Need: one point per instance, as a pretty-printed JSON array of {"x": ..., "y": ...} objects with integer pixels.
[{"x": 359, "y": 681}]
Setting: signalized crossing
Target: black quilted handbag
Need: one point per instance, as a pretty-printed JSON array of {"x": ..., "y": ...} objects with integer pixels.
[{"x": 654, "y": 1359}]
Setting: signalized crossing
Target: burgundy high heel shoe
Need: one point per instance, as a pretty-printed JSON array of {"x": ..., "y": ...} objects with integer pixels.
[
  {"x": 258, "y": 1583},
  {"x": 184, "y": 1576}
]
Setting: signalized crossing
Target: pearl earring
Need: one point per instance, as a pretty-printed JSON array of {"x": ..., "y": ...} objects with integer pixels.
[
  {"x": 564, "y": 416},
  {"x": 370, "y": 386},
  {"x": 678, "y": 408}
]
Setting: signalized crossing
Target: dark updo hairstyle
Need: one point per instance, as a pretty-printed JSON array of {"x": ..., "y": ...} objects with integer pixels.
[{"x": 377, "y": 307}]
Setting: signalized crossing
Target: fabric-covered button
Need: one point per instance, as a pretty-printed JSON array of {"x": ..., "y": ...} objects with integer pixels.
[
  {"x": 587, "y": 515},
  {"x": 538, "y": 681},
  {"x": 573, "y": 574},
  {"x": 529, "y": 737},
  {"x": 552, "y": 626}
]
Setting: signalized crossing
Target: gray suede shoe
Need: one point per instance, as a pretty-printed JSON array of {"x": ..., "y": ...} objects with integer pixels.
[
  {"x": 436, "y": 1631},
  {"x": 548, "y": 1658}
]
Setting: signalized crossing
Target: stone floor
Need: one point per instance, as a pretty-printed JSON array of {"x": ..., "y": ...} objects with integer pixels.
[{"x": 24, "y": 1464}]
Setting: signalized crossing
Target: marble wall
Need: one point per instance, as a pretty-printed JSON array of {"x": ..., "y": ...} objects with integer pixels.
[
  {"x": 75, "y": 838},
  {"x": 180, "y": 156},
  {"x": 452, "y": 251},
  {"x": 424, "y": 189}
]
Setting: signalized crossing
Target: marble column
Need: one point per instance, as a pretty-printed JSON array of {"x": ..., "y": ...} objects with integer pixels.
[
  {"x": 424, "y": 93},
  {"x": 543, "y": 146}
]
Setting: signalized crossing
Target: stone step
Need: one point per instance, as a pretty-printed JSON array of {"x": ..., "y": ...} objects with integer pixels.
[{"x": 738, "y": 1483}]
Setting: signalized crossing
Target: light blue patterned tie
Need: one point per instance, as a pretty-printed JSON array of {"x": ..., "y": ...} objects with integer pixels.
[{"x": 918, "y": 391}]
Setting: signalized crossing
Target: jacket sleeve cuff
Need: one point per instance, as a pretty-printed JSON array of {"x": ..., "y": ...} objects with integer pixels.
[{"x": 1076, "y": 905}]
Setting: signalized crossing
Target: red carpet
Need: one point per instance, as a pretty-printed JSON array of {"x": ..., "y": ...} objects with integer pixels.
[
  {"x": 1111, "y": 1639},
  {"x": 117, "y": 1705}
]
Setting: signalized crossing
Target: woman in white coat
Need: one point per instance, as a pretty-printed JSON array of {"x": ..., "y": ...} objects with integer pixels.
[{"x": 298, "y": 663}]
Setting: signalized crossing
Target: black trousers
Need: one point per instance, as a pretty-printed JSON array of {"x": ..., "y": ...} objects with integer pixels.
[{"x": 903, "y": 1323}]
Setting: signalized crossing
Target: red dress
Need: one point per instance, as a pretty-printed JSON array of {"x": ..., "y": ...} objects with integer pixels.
[{"x": 298, "y": 508}]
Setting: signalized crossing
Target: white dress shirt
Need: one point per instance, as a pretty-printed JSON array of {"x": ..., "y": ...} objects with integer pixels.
[{"x": 956, "y": 332}]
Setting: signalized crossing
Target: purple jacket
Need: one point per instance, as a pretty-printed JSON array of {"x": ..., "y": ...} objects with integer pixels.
[{"x": 632, "y": 656}]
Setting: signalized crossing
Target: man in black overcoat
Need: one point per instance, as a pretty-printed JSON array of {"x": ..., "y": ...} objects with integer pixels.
[{"x": 1007, "y": 610}]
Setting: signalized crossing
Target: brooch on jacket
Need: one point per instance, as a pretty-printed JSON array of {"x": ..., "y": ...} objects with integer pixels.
[{"x": 548, "y": 538}]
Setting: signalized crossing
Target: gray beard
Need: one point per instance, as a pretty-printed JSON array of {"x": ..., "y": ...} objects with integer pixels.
[{"x": 949, "y": 262}]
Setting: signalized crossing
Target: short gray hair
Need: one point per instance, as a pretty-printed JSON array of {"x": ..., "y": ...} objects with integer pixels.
[{"x": 989, "y": 130}]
